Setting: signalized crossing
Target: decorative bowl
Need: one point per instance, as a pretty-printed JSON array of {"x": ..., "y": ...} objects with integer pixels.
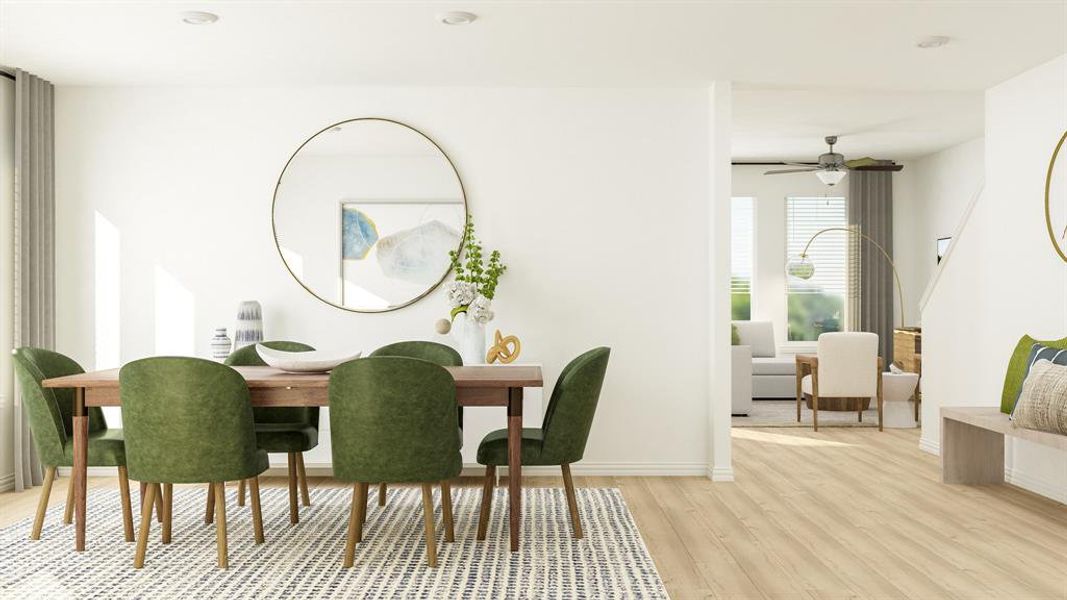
[{"x": 303, "y": 362}]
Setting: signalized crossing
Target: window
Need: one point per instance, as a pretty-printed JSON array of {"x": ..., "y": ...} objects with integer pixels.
[
  {"x": 817, "y": 305},
  {"x": 742, "y": 229}
]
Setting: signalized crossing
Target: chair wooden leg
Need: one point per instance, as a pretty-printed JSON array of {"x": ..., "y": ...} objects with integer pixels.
[
  {"x": 487, "y": 501},
  {"x": 241, "y": 493},
  {"x": 302, "y": 476},
  {"x": 572, "y": 501},
  {"x": 859, "y": 411},
  {"x": 427, "y": 517},
  {"x": 381, "y": 494},
  {"x": 68, "y": 510},
  {"x": 127, "y": 509},
  {"x": 815, "y": 411},
  {"x": 366, "y": 503},
  {"x": 42, "y": 503},
  {"x": 220, "y": 524},
  {"x": 446, "y": 512},
  {"x": 257, "y": 512},
  {"x": 168, "y": 509},
  {"x": 159, "y": 505},
  {"x": 294, "y": 510},
  {"x": 209, "y": 514},
  {"x": 148, "y": 502},
  {"x": 355, "y": 522}
]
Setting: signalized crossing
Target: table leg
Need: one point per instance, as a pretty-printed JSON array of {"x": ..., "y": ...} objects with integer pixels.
[
  {"x": 81, "y": 454},
  {"x": 515, "y": 465}
]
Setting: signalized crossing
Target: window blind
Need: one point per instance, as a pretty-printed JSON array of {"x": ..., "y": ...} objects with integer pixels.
[
  {"x": 806, "y": 216},
  {"x": 742, "y": 236}
]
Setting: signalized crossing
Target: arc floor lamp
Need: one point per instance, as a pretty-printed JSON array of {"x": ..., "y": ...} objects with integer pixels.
[{"x": 802, "y": 267}]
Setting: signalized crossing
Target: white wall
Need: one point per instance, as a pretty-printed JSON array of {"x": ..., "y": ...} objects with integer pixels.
[
  {"x": 1003, "y": 278},
  {"x": 770, "y": 192},
  {"x": 598, "y": 200},
  {"x": 929, "y": 199}
]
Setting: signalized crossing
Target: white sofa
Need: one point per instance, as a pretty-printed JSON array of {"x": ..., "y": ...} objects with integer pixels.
[
  {"x": 741, "y": 380},
  {"x": 773, "y": 376}
]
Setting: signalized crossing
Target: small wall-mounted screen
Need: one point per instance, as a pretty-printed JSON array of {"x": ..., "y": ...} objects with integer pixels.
[{"x": 942, "y": 247}]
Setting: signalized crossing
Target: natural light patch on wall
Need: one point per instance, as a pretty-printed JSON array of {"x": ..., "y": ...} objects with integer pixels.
[
  {"x": 107, "y": 333},
  {"x": 175, "y": 316},
  {"x": 294, "y": 260}
]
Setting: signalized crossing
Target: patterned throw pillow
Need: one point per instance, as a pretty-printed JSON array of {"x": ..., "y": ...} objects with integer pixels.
[
  {"x": 1056, "y": 356},
  {"x": 1042, "y": 404}
]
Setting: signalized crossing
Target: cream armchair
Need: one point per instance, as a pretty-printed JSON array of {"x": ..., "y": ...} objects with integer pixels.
[{"x": 847, "y": 369}]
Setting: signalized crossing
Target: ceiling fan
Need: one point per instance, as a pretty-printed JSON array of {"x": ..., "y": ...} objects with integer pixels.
[{"x": 832, "y": 166}]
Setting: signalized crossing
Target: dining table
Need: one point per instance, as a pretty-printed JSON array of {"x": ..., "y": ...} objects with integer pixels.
[{"x": 476, "y": 385}]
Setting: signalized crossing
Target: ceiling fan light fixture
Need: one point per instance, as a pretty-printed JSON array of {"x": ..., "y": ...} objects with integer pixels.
[{"x": 830, "y": 178}]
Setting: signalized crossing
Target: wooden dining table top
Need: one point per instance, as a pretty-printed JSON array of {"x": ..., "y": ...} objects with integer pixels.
[{"x": 470, "y": 376}]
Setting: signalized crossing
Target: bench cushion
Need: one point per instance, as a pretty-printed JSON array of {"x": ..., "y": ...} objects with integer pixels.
[
  {"x": 1017, "y": 367},
  {"x": 1042, "y": 404}
]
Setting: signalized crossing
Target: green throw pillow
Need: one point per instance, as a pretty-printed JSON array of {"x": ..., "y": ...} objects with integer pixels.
[
  {"x": 1017, "y": 367},
  {"x": 735, "y": 335}
]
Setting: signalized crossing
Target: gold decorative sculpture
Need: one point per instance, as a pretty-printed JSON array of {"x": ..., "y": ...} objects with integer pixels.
[{"x": 505, "y": 349}]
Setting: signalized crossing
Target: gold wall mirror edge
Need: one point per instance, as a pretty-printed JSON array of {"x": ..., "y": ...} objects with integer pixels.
[
  {"x": 1056, "y": 243},
  {"x": 274, "y": 222}
]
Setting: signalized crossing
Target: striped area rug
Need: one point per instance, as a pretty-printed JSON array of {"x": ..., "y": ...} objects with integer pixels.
[{"x": 304, "y": 561}]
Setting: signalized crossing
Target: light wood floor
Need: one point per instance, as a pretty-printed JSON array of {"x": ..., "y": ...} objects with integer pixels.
[{"x": 843, "y": 513}]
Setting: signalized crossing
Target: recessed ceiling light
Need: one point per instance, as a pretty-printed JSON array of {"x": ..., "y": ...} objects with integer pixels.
[
  {"x": 932, "y": 41},
  {"x": 198, "y": 17},
  {"x": 457, "y": 17}
]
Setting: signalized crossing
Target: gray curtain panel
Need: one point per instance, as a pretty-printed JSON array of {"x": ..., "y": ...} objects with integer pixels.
[
  {"x": 870, "y": 211},
  {"x": 35, "y": 291}
]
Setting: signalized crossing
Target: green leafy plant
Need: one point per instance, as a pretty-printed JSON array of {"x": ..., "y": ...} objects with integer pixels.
[{"x": 470, "y": 266}]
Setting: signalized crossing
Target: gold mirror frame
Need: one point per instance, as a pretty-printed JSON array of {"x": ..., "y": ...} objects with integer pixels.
[
  {"x": 1048, "y": 201},
  {"x": 274, "y": 224}
]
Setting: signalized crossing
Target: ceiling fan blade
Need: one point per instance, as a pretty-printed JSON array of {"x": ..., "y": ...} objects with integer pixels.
[
  {"x": 784, "y": 171},
  {"x": 893, "y": 168},
  {"x": 801, "y": 164},
  {"x": 866, "y": 161}
]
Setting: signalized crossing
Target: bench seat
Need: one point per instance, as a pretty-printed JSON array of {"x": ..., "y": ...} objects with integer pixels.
[{"x": 972, "y": 443}]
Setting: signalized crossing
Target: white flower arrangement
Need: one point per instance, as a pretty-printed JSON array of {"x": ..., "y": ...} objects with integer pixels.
[
  {"x": 460, "y": 293},
  {"x": 476, "y": 280},
  {"x": 479, "y": 310}
]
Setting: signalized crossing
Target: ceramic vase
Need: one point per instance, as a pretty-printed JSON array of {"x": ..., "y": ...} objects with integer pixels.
[
  {"x": 221, "y": 344},
  {"x": 470, "y": 339},
  {"x": 249, "y": 329}
]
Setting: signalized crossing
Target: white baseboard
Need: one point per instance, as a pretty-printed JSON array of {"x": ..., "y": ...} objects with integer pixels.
[
  {"x": 720, "y": 474},
  {"x": 1035, "y": 485},
  {"x": 581, "y": 468},
  {"x": 7, "y": 482},
  {"x": 929, "y": 447}
]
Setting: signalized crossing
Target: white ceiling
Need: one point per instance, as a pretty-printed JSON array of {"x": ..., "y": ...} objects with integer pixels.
[{"x": 853, "y": 64}]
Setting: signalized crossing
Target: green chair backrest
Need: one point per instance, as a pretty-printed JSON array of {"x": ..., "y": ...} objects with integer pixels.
[
  {"x": 1013, "y": 380},
  {"x": 186, "y": 420},
  {"x": 248, "y": 357},
  {"x": 438, "y": 354},
  {"x": 570, "y": 410},
  {"x": 50, "y": 409},
  {"x": 393, "y": 419}
]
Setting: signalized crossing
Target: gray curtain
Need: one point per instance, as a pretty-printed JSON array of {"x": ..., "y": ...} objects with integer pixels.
[
  {"x": 35, "y": 291},
  {"x": 873, "y": 300}
]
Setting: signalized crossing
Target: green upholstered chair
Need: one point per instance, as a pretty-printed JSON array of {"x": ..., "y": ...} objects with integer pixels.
[
  {"x": 292, "y": 430},
  {"x": 50, "y": 413},
  {"x": 189, "y": 420},
  {"x": 562, "y": 436},
  {"x": 438, "y": 354},
  {"x": 393, "y": 419}
]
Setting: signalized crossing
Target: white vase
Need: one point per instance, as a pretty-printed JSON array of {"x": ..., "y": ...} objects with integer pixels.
[
  {"x": 220, "y": 344},
  {"x": 470, "y": 339},
  {"x": 249, "y": 328}
]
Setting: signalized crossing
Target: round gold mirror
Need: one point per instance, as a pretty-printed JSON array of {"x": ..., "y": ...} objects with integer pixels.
[
  {"x": 1056, "y": 199},
  {"x": 365, "y": 213}
]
